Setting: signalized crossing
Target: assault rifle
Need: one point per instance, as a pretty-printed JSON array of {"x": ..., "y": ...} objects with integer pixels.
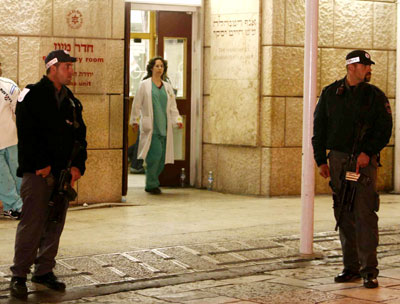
[
  {"x": 348, "y": 188},
  {"x": 63, "y": 193},
  {"x": 350, "y": 179}
]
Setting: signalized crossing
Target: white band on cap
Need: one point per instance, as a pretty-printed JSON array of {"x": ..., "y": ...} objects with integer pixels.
[
  {"x": 51, "y": 62},
  {"x": 352, "y": 60}
]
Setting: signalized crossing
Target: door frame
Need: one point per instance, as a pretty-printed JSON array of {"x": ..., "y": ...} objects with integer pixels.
[{"x": 196, "y": 125}]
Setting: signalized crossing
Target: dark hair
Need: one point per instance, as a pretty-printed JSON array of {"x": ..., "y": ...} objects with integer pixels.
[
  {"x": 152, "y": 63},
  {"x": 48, "y": 70}
]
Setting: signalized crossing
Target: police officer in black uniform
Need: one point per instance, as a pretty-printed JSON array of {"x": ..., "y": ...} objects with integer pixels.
[
  {"x": 49, "y": 122},
  {"x": 354, "y": 115}
]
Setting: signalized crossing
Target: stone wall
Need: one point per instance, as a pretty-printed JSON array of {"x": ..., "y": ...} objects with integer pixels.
[
  {"x": 93, "y": 31},
  {"x": 253, "y": 89}
]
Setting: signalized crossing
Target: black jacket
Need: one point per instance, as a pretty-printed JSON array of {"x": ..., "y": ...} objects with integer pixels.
[
  {"x": 342, "y": 111},
  {"x": 46, "y": 133}
]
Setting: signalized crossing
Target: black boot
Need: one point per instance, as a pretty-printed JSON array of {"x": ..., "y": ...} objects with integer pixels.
[
  {"x": 18, "y": 288},
  {"x": 370, "y": 281},
  {"x": 50, "y": 281},
  {"x": 153, "y": 191},
  {"x": 347, "y": 276}
]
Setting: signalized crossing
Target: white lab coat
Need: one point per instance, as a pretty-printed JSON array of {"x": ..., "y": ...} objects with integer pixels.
[
  {"x": 8, "y": 100},
  {"x": 142, "y": 113}
]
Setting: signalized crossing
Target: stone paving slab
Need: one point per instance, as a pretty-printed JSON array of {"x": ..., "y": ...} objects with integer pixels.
[
  {"x": 323, "y": 281},
  {"x": 293, "y": 282},
  {"x": 245, "y": 280},
  {"x": 263, "y": 243},
  {"x": 133, "y": 270},
  {"x": 222, "y": 258},
  {"x": 242, "y": 250},
  {"x": 147, "y": 264},
  {"x": 195, "y": 261},
  {"x": 348, "y": 301},
  {"x": 124, "y": 298},
  {"x": 306, "y": 273},
  {"x": 266, "y": 292},
  {"x": 154, "y": 292},
  {"x": 238, "y": 271},
  {"x": 254, "y": 290},
  {"x": 388, "y": 282},
  {"x": 392, "y": 301},
  {"x": 378, "y": 295},
  {"x": 391, "y": 273},
  {"x": 182, "y": 297},
  {"x": 217, "y": 300},
  {"x": 95, "y": 271},
  {"x": 337, "y": 286},
  {"x": 243, "y": 302},
  {"x": 157, "y": 262}
]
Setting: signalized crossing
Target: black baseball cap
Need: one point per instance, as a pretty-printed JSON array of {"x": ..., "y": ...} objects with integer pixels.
[
  {"x": 359, "y": 56},
  {"x": 58, "y": 56}
]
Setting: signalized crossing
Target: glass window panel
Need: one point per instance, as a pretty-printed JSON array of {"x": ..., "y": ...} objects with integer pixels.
[
  {"x": 179, "y": 141},
  {"x": 175, "y": 54},
  {"x": 139, "y": 56},
  {"x": 140, "y": 21}
]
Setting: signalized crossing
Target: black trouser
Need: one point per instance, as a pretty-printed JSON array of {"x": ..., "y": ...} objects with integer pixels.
[
  {"x": 37, "y": 238},
  {"x": 358, "y": 228},
  {"x": 132, "y": 154}
]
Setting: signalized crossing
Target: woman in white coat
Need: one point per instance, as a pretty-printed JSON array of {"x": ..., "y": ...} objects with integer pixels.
[{"x": 154, "y": 107}]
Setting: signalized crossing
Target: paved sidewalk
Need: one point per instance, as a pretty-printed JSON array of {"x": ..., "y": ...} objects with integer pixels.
[{"x": 195, "y": 246}]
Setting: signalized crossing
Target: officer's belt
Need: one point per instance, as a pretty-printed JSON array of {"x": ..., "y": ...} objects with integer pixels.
[{"x": 340, "y": 154}]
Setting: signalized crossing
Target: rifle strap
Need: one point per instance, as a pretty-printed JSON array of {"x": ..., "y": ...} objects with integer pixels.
[{"x": 76, "y": 123}]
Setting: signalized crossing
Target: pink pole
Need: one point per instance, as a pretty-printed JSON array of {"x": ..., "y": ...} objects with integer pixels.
[
  {"x": 397, "y": 116},
  {"x": 310, "y": 96}
]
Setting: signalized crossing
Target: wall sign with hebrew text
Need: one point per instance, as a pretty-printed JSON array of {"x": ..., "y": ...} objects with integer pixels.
[
  {"x": 235, "y": 44},
  {"x": 84, "y": 73}
]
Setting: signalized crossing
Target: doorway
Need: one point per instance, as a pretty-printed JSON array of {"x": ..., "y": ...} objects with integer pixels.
[{"x": 150, "y": 33}]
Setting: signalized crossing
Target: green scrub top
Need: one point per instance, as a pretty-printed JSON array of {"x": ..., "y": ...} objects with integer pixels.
[{"x": 159, "y": 99}]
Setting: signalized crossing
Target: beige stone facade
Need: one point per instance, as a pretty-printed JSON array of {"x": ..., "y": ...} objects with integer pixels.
[
  {"x": 253, "y": 85},
  {"x": 252, "y": 89},
  {"x": 92, "y": 31}
]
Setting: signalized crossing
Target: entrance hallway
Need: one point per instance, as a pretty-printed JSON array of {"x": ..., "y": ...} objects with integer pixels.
[{"x": 196, "y": 246}]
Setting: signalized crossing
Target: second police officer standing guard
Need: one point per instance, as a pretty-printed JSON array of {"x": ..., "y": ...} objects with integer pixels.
[
  {"x": 353, "y": 117},
  {"x": 49, "y": 123}
]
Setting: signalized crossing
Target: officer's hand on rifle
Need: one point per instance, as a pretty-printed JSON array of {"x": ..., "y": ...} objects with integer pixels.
[
  {"x": 362, "y": 161},
  {"x": 324, "y": 170},
  {"x": 44, "y": 172},
  {"x": 75, "y": 175}
]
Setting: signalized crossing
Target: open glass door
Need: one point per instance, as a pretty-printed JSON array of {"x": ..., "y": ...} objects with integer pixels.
[
  {"x": 167, "y": 34},
  {"x": 174, "y": 31},
  {"x": 142, "y": 40}
]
